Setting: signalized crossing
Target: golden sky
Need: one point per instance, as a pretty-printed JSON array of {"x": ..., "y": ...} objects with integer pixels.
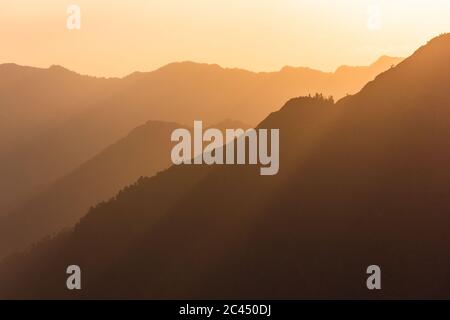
[{"x": 118, "y": 37}]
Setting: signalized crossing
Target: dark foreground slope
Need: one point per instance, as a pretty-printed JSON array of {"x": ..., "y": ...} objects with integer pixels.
[{"x": 361, "y": 182}]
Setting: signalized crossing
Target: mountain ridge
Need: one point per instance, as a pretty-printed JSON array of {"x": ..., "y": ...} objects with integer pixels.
[
  {"x": 381, "y": 60},
  {"x": 361, "y": 181},
  {"x": 57, "y": 119}
]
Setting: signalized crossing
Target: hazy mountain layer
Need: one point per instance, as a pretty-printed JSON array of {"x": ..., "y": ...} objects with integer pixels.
[
  {"x": 363, "y": 181},
  {"x": 52, "y": 120},
  {"x": 143, "y": 152}
]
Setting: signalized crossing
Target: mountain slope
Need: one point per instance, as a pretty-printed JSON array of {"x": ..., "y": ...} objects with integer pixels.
[
  {"x": 33, "y": 104},
  {"x": 363, "y": 181},
  {"x": 52, "y": 120},
  {"x": 143, "y": 152}
]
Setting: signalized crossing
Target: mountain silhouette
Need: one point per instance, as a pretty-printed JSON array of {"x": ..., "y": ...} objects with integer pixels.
[
  {"x": 143, "y": 152},
  {"x": 34, "y": 104},
  {"x": 56, "y": 119},
  {"x": 362, "y": 181}
]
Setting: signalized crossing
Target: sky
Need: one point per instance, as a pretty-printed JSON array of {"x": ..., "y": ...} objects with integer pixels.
[{"x": 118, "y": 37}]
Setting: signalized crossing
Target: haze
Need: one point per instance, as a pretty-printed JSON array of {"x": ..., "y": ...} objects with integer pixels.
[{"x": 117, "y": 38}]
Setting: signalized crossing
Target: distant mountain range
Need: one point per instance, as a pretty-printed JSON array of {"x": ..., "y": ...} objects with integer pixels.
[
  {"x": 52, "y": 120},
  {"x": 362, "y": 181}
]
